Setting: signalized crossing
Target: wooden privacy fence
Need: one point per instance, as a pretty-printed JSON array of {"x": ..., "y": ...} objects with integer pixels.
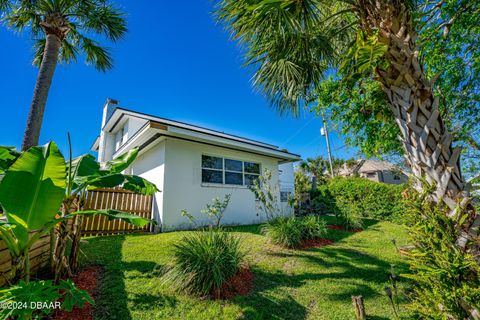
[
  {"x": 39, "y": 257},
  {"x": 118, "y": 199}
]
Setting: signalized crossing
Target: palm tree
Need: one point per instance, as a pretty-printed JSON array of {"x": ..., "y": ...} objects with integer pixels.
[
  {"x": 294, "y": 43},
  {"x": 60, "y": 29},
  {"x": 315, "y": 167}
]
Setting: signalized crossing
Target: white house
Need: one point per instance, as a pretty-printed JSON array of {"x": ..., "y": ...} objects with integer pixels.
[{"x": 192, "y": 165}]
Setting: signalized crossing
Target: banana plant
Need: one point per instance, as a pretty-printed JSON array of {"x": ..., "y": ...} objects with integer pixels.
[
  {"x": 37, "y": 192},
  {"x": 85, "y": 173}
]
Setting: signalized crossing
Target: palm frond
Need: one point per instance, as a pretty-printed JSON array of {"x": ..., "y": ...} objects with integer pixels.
[
  {"x": 38, "y": 50},
  {"x": 80, "y": 20},
  {"x": 95, "y": 54},
  {"x": 106, "y": 20},
  {"x": 4, "y": 5},
  {"x": 287, "y": 44}
]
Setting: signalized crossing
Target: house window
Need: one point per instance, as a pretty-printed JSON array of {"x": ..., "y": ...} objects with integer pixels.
[
  {"x": 371, "y": 174},
  {"x": 284, "y": 196},
  {"x": 228, "y": 171},
  {"x": 212, "y": 169}
]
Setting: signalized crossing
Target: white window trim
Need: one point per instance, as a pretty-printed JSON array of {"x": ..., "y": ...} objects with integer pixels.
[{"x": 224, "y": 170}]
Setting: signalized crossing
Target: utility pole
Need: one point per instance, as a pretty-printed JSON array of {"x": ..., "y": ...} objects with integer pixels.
[{"x": 324, "y": 132}]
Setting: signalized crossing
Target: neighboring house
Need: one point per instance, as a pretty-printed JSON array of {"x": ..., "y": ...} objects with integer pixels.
[
  {"x": 375, "y": 170},
  {"x": 192, "y": 165}
]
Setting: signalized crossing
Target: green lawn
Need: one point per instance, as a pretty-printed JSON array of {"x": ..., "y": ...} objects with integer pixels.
[{"x": 289, "y": 284}]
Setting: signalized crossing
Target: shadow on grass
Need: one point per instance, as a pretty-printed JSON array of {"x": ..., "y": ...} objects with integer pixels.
[
  {"x": 345, "y": 263},
  {"x": 111, "y": 299},
  {"x": 338, "y": 264}
]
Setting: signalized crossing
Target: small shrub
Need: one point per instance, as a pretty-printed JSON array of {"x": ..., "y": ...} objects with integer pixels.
[
  {"x": 444, "y": 276},
  {"x": 204, "y": 261},
  {"x": 290, "y": 232},
  {"x": 216, "y": 210},
  {"x": 313, "y": 227},
  {"x": 284, "y": 231},
  {"x": 350, "y": 215}
]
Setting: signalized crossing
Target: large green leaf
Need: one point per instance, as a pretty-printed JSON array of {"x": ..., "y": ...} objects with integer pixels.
[
  {"x": 122, "y": 162},
  {"x": 85, "y": 166},
  {"x": 139, "y": 185},
  {"x": 115, "y": 215},
  {"x": 106, "y": 181},
  {"x": 33, "y": 187},
  {"x": 8, "y": 155},
  {"x": 133, "y": 183}
]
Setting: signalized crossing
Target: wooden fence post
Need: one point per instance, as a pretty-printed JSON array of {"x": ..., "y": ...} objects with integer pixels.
[{"x": 359, "y": 308}]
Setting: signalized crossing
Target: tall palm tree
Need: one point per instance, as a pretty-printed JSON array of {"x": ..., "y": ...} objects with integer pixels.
[
  {"x": 315, "y": 167},
  {"x": 61, "y": 30},
  {"x": 294, "y": 43}
]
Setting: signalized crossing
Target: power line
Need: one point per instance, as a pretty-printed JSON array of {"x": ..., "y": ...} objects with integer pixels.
[{"x": 298, "y": 131}]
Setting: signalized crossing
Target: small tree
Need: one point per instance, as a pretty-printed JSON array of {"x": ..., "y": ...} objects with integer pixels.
[
  {"x": 216, "y": 210},
  {"x": 37, "y": 193},
  {"x": 266, "y": 194},
  {"x": 315, "y": 167},
  {"x": 62, "y": 29}
]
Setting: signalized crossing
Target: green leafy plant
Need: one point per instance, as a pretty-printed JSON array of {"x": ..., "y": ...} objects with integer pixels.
[
  {"x": 203, "y": 261},
  {"x": 290, "y": 232},
  {"x": 368, "y": 199},
  {"x": 284, "y": 231},
  {"x": 216, "y": 210},
  {"x": 266, "y": 194},
  {"x": 445, "y": 279},
  {"x": 348, "y": 215},
  {"x": 26, "y": 300},
  {"x": 313, "y": 227},
  {"x": 37, "y": 193}
]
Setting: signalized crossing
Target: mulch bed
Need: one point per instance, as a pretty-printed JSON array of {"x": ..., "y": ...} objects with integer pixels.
[
  {"x": 239, "y": 285},
  {"x": 342, "y": 228},
  {"x": 315, "y": 243},
  {"x": 87, "y": 279}
]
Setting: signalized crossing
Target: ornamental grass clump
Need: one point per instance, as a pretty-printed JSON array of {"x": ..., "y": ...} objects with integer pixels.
[
  {"x": 313, "y": 227},
  {"x": 204, "y": 261},
  {"x": 290, "y": 232},
  {"x": 284, "y": 231}
]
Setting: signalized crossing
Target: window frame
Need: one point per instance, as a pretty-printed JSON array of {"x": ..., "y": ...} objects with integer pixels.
[{"x": 224, "y": 171}]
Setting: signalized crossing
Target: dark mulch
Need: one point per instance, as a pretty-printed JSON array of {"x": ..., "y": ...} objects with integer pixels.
[
  {"x": 239, "y": 285},
  {"x": 87, "y": 279},
  {"x": 342, "y": 228},
  {"x": 315, "y": 243}
]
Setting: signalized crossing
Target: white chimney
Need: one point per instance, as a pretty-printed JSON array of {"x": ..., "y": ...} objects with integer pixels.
[{"x": 108, "y": 109}]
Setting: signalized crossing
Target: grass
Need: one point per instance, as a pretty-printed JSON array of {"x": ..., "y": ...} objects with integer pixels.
[{"x": 289, "y": 284}]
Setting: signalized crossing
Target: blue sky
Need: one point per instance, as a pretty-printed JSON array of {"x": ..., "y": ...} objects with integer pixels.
[{"x": 175, "y": 62}]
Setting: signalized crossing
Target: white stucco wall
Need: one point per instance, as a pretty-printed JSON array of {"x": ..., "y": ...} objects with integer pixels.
[
  {"x": 151, "y": 166},
  {"x": 287, "y": 184},
  {"x": 183, "y": 188}
]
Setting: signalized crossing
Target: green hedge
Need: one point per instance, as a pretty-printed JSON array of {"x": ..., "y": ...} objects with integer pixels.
[{"x": 368, "y": 198}]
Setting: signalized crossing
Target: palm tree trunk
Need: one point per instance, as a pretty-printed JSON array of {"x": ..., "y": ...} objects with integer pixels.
[
  {"x": 40, "y": 94},
  {"x": 426, "y": 140}
]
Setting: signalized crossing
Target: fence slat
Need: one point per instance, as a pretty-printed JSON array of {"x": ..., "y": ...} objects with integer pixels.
[{"x": 117, "y": 199}]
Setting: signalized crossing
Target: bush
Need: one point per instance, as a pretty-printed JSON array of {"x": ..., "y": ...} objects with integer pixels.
[
  {"x": 284, "y": 231},
  {"x": 349, "y": 215},
  {"x": 313, "y": 227},
  {"x": 290, "y": 231},
  {"x": 204, "y": 261},
  {"x": 444, "y": 276},
  {"x": 368, "y": 199}
]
